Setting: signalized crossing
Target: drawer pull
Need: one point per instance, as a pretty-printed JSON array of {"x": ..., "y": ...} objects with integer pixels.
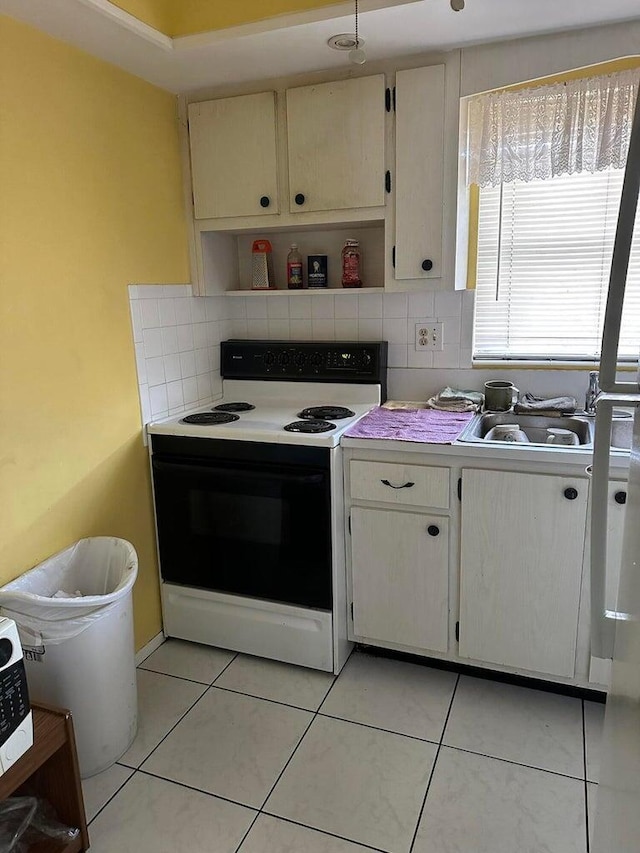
[
  {"x": 391, "y": 486},
  {"x": 621, "y": 497},
  {"x": 433, "y": 530},
  {"x": 571, "y": 494}
]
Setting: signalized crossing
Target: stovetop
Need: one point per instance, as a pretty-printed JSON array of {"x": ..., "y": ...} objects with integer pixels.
[
  {"x": 277, "y": 404},
  {"x": 288, "y": 392}
]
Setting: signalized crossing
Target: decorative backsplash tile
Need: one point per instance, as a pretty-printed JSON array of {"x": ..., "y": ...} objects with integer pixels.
[
  {"x": 177, "y": 336},
  {"x": 177, "y": 346},
  {"x": 369, "y": 316},
  {"x": 177, "y": 340}
]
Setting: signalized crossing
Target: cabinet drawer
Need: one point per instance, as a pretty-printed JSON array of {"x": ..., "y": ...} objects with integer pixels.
[{"x": 414, "y": 485}]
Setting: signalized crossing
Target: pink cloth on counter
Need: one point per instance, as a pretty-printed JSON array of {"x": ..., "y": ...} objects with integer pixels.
[{"x": 426, "y": 425}]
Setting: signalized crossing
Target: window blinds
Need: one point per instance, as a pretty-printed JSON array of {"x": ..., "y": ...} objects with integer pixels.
[{"x": 544, "y": 254}]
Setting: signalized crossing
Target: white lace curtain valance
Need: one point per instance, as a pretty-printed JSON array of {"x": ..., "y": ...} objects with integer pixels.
[{"x": 578, "y": 126}]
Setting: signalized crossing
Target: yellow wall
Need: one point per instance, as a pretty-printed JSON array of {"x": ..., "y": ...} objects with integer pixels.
[
  {"x": 90, "y": 200},
  {"x": 185, "y": 17}
]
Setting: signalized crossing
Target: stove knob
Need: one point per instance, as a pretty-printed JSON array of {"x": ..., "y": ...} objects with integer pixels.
[
  {"x": 316, "y": 359},
  {"x": 366, "y": 358},
  {"x": 299, "y": 359},
  {"x": 269, "y": 358},
  {"x": 283, "y": 359}
]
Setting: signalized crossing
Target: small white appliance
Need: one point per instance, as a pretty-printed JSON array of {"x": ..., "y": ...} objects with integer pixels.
[{"x": 16, "y": 720}]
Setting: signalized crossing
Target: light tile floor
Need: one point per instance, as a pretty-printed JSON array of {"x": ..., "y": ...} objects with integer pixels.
[{"x": 242, "y": 754}]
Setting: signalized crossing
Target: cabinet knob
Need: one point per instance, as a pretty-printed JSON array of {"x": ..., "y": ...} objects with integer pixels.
[
  {"x": 299, "y": 198},
  {"x": 433, "y": 530},
  {"x": 427, "y": 265},
  {"x": 620, "y": 497},
  {"x": 391, "y": 486},
  {"x": 265, "y": 201},
  {"x": 571, "y": 494}
]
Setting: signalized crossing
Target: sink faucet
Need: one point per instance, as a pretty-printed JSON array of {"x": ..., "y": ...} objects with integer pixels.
[{"x": 592, "y": 393}]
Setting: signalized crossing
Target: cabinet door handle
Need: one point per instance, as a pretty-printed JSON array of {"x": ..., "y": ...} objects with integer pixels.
[
  {"x": 427, "y": 265},
  {"x": 299, "y": 198},
  {"x": 265, "y": 201},
  {"x": 391, "y": 486},
  {"x": 433, "y": 530},
  {"x": 620, "y": 497},
  {"x": 571, "y": 494}
]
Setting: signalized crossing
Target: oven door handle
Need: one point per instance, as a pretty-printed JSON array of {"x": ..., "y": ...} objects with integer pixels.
[{"x": 236, "y": 473}]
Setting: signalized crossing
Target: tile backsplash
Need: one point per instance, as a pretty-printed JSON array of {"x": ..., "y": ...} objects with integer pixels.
[
  {"x": 177, "y": 341},
  {"x": 369, "y": 316},
  {"x": 177, "y": 345}
]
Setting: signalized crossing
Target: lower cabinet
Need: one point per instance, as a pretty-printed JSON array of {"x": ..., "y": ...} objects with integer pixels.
[
  {"x": 400, "y": 578},
  {"x": 520, "y": 569}
]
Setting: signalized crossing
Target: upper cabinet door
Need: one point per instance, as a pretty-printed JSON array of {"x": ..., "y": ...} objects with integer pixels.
[
  {"x": 420, "y": 107},
  {"x": 335, "y": 133},
  {"x": 233, "y": 156}
]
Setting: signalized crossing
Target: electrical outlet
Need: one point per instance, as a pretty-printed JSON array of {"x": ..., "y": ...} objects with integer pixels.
[{"x": 429, "y": 335}]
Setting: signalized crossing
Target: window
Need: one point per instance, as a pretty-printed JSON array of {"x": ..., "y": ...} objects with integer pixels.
[
  {"x": 544, "y": 254},
  {"x": 549, "y": 164}
]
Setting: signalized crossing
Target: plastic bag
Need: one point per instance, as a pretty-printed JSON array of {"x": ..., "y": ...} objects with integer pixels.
[
  {"x": 25, "y": 821},
  {"x": 102, "y": 569}
]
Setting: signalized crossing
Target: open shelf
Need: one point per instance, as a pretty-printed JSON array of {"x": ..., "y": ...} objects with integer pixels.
[
  {"x": 227, "y": 259},
  {"x": 313, "y": 291}
]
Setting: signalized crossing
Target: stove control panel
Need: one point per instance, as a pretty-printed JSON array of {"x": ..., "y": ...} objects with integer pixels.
[{"x": 340, "y": 361}]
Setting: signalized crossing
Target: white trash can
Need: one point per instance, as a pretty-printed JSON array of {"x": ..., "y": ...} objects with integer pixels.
[{"x": 74, "y": 613}]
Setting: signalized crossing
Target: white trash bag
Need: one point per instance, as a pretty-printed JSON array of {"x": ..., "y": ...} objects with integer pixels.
[{"x": 62, "y": 596}]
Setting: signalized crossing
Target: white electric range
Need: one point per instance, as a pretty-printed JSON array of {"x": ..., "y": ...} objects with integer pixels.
[{"x": 248, "y": 500}]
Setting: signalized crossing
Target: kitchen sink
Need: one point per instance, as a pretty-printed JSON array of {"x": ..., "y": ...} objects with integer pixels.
[{"x": 535, "y": 427}]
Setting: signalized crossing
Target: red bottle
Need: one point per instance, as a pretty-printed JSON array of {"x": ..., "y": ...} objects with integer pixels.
[{"x": 351, "y": 264}]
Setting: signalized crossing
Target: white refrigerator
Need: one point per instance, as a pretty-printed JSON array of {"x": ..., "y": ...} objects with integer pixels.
[{"x": 615, "y": 634}]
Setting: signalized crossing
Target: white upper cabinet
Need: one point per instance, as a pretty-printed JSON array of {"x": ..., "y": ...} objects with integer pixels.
[
  {"x": 419, "y": 178},
  {"x": 335, "y": 134},
  {"x": 233, "y": 156}
]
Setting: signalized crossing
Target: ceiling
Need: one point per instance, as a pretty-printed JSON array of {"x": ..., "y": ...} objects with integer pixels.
[
  {"x": 296, "y": 43},
  {"x": 185, "y": 17}
]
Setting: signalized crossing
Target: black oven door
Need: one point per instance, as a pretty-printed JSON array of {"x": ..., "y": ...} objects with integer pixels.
[{"x": 260, "y": 530}]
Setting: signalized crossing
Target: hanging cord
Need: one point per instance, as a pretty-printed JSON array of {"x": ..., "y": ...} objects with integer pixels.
[{"x": 357, "y": 39}]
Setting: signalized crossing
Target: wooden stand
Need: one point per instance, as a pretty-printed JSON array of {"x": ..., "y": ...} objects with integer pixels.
[{"x": 50, "y": 770}]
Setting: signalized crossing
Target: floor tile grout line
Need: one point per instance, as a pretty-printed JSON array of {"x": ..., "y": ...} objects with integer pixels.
[
  {"x": 288, "y": 761},
  {"x": 376, "y": 728},
  {"x": 586, "y": 783},
  {"x": 146, "y": 657},
  {"x": 322, "y": 831},
  {"x": 335, "y": 680},
  {"x": 198, "y": 790},
  {"x": 222, "y": 671},
  {"x": 115, "y": 793},
  {"x": 173, "y": 675},
  {"x": 177, "y": 723},
  {"x": 433, "y": 767},
  {"x": 249, "y": 828},
  {"x": 515, "y": 763},
  {"x": 264, "y": 699}
]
